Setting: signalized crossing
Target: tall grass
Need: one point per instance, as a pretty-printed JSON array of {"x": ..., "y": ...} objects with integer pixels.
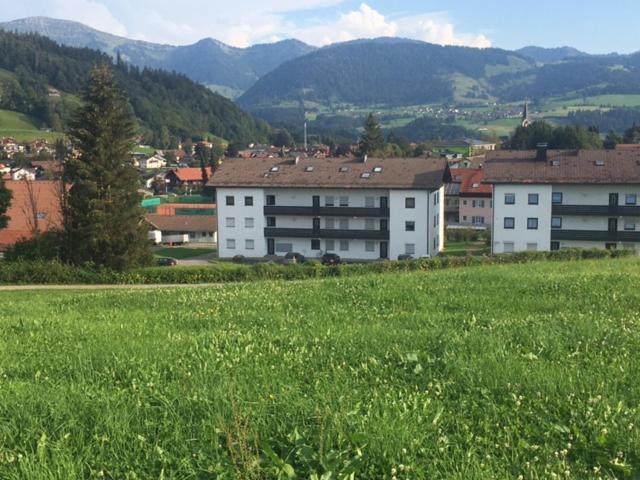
[{"x": 504, "y": 371}]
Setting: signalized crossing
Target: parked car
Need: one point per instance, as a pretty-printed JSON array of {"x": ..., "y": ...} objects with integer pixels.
[
  {"x": 331, "y": 259},
  {"x": 405, "y": 257},
  {"x": 167, "y": 262},
  {"x": 294, "y": 257}
]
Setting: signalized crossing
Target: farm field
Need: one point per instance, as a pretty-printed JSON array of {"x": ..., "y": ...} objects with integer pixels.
[
  {"x": 22, "y": 128},
  {"x": 417, "y": 375}
]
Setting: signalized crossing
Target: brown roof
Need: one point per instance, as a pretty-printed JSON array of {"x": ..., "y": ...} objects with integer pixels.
[
  {"x": 414, "y": 173},
  {"x": 183, "y": 223},
  {"x": 190, "y": 174},
  {"x": 472, "y": 183},
  {"x": 44, "y": 198},
  {"x": 564, "y": 166}
]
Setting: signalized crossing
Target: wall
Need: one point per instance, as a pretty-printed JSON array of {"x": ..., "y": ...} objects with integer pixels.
[
  {"x": 469, "y": 211},
  {"x": 400, "y": 215},
  {"x": 239, "y": 212},
  {"x": 520, "y": 235}
]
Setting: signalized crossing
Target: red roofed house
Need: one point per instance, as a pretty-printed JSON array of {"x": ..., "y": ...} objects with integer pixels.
[
  {"x": 35, "y": 207},
  {"x": 186, "y": 177},
  {"x": 476, "y": 204}
]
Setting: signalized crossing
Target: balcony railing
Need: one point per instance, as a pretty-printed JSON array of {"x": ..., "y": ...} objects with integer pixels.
[
  {"x": 595, "y": 235},
  {"x": 326, "y": 233},
  {"x": 327, "y": 211},
  {"x": 597, "y": 210}
]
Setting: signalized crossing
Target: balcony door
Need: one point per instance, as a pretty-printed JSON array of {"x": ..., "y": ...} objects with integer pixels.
[
  {"x": 384, "y": 202},
  {"x": 384, "y": 250},
  {"x": 316, "y": 201},
  {"x": 613, "y": 199},
  {"x": 316, "y": 224},
  {"x": 384, "y": 226},
  {"x": 613, "y": 225},
  {"x": 271, "y": 246}
]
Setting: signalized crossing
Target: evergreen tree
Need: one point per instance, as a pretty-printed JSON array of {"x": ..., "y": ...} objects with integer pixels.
[
  {"x": 632, "y": 135},
  {"x": 611, "y": 140},
  {"x": 372, "y": 139},
  {"x": 5, "y": 202},
  {"x": 103, "y": 218}
]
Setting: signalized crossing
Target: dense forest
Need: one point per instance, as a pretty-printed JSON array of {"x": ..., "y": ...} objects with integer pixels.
[
  {"x": 426, "y": 129},
  {"x": 168, "y": 106},
  {"x": 616, "y": 119}
]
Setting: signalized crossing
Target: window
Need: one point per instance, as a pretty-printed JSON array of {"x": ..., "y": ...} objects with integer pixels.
[
  {"x": 464, "y": 202},
  {"x": 231, "y": 244},
  {"x": 230, "y": 201},
  {"x": 534, "y": 199},
  {"x": 532, "y": 247},
  {"x": 369, "y": 246},
  {"x": 365, "y": 175},
  {"x": 509, "y": 247},
  {"x": 42, "y": 215},
  {"x": 248, "y": 201},
  {"x": 329, "y": 201},
  {"x": 249, "y": 244},
  {"x": 274, "y": 169},
  {"x": 344, "y": 201},
  {"x": 249, "y": 222},
  {"x": 481, "y": 203},
  {"x": 377, "y": 169},
  {"x": 473, "y": 204},
  {"x": 410, "y": 226},
  {"x": 309, "y": 169},
  {"x": 369, "y": 224},
  {"x": 344, "y": 245},
  {"x": 343, "y": 169},
  {"x": 435, "y": 199},
  {"x": 631, "y": 199},
  {"x": 329, "y": 223},
  {"x": 555, "y": 246},
  {"x": 509, "y": 198},
  {"x": 330, "y": 245},
  {"x": 230, "y": 222},
  {"x": 477, "y": 220},
  {"x": 410, "y": 202},
  {"x": 509, "y": 223},
  {"x": 271, "y": 200},
  {"x": 284, "y": 247},
  {"x": 532, "y": 223},
  {"x": 344, "y": 224},
  {"x": 369, "y": 202},
  {"x": 315, "y": 244},
  {"x": 271, "y": 221},
  {"x": 556, "y": 222},
  {"x": 629, "y": 224},
  {"x": 410, "y": 248},
  {"x": 556, "y": 198}
]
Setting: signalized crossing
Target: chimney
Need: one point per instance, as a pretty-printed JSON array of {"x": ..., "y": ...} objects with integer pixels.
[
  {"x": 541, "y": 155},
  {"x": 365, "y": 158},
  {"x": 296, "y": 161}
]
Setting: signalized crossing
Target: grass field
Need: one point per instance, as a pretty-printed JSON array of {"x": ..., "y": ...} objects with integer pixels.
[
  {"x": 457, "y": 249},
  {"x": 421, "y": 376},
  {"x": 181, "y": 253},
  {"x": 22, "y": 128}
]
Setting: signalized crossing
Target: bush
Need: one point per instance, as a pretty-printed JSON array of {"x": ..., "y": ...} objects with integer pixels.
[
  {"x": 467, "y": 235},
  {"x": 44, "y": 272}
]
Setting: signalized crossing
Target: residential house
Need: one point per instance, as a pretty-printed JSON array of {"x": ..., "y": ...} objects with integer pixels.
[
  {"x": 186, "y": 177},
  {"x": 35, "y": 208},
  {"x": 476, "y": 202},
  {"x": 23, "y": 174},
  {"x": 556, "y": 199},
  {"x": 199, "y": 228},
  {"x": 153, "y": 163},
  {"x": 361, "y": 209}
]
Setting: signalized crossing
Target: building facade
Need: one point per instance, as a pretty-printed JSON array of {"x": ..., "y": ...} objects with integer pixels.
[
  {"x": 360, "y": 210},
  {"x": 565, "y": 199}
]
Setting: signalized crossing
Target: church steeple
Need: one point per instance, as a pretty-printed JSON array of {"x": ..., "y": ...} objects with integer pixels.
[{"x": 526, "y": 121}]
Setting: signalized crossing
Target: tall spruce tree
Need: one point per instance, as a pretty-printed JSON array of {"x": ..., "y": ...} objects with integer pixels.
[
  {"x": 104, "y": 221},
  {"x": 372, "y": 139},
  {"x": 5, "y": 203}
]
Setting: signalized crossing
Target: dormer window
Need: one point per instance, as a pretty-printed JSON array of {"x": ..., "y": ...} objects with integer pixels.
[
  {"x": 377, "y": 170},
  {"x": 365, "y": 175},
  {"x": 555, "y": 163},
  {"x": 476, "y": 185},
  {"x": 308, "y": 169},
  {"x": 274, "y": 169},
  {"x": 599, "y": 163},
  {"x": 344, "y": 169}
]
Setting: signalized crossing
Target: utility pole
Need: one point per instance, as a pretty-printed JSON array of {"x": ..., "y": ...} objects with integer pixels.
[{"x": 305, "y": 136}]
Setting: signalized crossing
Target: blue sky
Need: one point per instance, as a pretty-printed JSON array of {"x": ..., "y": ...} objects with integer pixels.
[{"x": 593, "y": 26}]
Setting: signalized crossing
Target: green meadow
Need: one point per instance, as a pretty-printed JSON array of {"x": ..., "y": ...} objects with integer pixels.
[{"x": 489, "y": 372}]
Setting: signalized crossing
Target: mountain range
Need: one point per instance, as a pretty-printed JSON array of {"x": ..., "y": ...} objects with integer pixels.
[{"x": 223, "y": 68}]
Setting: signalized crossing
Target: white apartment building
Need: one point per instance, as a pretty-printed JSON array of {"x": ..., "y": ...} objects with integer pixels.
[
  {"x": 552, "y": 200},
  {"x": 360, "y": 209}
]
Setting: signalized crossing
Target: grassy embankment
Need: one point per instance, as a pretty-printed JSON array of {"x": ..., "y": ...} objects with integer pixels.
[{"x": 487, "y": 372}]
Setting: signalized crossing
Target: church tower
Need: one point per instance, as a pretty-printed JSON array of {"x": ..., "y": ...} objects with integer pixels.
[{"x": 526, "y": 120}]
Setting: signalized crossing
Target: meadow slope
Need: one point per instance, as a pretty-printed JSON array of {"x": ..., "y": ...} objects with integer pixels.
[{"x": 515, "y": 371}]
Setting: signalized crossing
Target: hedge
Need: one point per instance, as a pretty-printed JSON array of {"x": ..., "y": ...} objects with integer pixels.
[{"x": 41, "y": 272}]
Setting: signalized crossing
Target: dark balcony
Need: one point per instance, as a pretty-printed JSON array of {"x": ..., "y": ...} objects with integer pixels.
[
  {"x": 597, "y": 210},
  {"x": 324, "y": 233},
  {"x": 327, "y": 211},
  {"x": 595, "y": 235}
]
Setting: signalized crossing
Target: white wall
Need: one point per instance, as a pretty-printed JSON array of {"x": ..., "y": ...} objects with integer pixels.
[
  {"x": 594, "y": 194},
  {"x": 521, "y": 211},
  {"x": 239, "y": 212},
  {"x": 399, "y": 237},
  {"x": 297, "y": 197}
]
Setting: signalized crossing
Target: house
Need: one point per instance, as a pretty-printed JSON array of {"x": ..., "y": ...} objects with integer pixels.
[
  {"x": 556, "y": 199},
  {"x": 35, "y": 207},
  {"x": 47, "y": 168},
  {"x": 476, "y": 202},
  {"x": 186, "y": 177},
  {"x": 199, "y": 228},
  {"x": 23, "y": 174},
  {"x": 452, "y": 201},
  {"x": 153, "y": 163},
  {"x": 361, "y": 209}
]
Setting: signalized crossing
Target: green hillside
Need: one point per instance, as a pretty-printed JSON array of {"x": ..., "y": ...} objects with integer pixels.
[
  {"x": 22, "y": 127},
  {"x": 385, "y": 376}
]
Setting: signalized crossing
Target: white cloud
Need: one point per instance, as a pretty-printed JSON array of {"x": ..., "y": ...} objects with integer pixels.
[
  {"x": 436, "y": 29},
  {"x": 89, "y": 12}
]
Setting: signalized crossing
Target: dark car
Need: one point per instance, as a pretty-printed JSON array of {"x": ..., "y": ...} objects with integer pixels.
[
  {"x": 331, "y": 259},
  {"x": 405, "y": 257},
  {"x": 167, "y": 262},
  {"x": 294, "y": 257}
]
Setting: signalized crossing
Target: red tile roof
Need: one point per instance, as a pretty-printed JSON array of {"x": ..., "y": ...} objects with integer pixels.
[
  {"x": 472, "y": 186},
  {"x": 193, "y": 174},
  {"x": 21, "y": 221}
]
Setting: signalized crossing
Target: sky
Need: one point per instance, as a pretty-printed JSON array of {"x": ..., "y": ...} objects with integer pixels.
[{"x": 590, "y": 25}]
